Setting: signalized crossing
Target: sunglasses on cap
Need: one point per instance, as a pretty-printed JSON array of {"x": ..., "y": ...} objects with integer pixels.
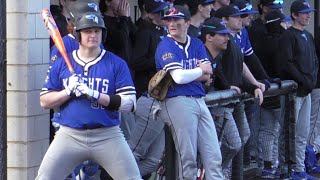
[{"x": 275, "y": 2}]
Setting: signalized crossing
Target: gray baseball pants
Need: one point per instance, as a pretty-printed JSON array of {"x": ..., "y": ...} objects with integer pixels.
[
  {"x": 230, "y": 140},
  {"x": 302, "y": 112},
  {"x": 147, "y": 139},
  {"x": 106, "y": 146},
  {"x": 314, "y": 135},
  {"x": 193, "y": 130},
  {"x": 269, "y": 132}
]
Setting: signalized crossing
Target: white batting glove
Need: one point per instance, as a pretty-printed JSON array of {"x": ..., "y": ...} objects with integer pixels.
[
  {"x": 83, "y": 89},
  {"x": 72, "y": 82}
]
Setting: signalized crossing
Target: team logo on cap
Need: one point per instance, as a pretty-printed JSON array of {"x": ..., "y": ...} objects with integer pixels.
[
  {"x": 236, "y": 7},
  {"x": 223, "y": 23},
  {"x": 307, "y": 4},
  {"x": 93, "y": 5},
  {"x": 92, "y": 17},
  {"x": 278, "y": 2}
]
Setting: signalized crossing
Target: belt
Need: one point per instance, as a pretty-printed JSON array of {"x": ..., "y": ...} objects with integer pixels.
[
  {"x": 194, "y": 96},
  {"x": 92, "y": 127}
]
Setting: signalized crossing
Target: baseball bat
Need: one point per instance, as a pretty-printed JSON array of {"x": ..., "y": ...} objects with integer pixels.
[{"x": 55, "y": 35}]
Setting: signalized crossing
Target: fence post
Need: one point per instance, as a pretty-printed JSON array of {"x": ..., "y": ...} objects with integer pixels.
[{"x": 3, "y": 92}]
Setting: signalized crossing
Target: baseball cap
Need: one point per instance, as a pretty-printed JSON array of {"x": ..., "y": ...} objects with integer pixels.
[
  {"x": 178, "y": 12},
  {"x": 228, "y": 11},
  {"x": 275, "y": 16},
  {"x": 204, "y": 2},
  {"x": 273, "y": 4},
  {"x": 301, "y": 6},
  {"x": 214, "y": 25},
  {"x": 153, "y": 6},
  {"x": 244, "y": 6},
  {"x": 77, "y": 8}
]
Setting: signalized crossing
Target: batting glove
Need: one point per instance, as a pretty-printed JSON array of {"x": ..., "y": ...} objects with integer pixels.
[
  {"x": 83, "y": 89},
  {"x": 72, "y": 83}
]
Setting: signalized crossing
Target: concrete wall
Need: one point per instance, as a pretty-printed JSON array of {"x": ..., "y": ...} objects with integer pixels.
[{"x": 28, "y": 57}]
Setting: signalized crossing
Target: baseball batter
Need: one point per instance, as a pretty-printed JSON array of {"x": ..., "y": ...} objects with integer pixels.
[{"x": 89, "y": 101}]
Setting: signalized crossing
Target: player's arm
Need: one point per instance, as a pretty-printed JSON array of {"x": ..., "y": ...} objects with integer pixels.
[
  {"x": 53, "y": 99},
  {"x": 250, "y": 78},
  {"x": 54, "y": 93},
  {"x": 184, "y": 76}
]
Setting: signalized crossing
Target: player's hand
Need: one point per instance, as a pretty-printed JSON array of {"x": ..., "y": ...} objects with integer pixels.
[
  {"x": 261, "y": 86},
  {"x": 83, "y": 89},
  {"x": 236, "y": 88},
  {"x": 206, "y": 68},
  {"x": 123, "y": 8},
  {"x": 72, "y": 82},
  {"x": 258, "y": 94},
  {"x": 208, "y": 82}
]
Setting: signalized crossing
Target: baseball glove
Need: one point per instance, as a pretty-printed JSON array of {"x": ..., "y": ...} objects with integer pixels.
[{"x": 159, "y": 85}]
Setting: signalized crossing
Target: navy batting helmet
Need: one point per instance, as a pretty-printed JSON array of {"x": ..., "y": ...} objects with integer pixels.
[{"x": 90, "y": 20}]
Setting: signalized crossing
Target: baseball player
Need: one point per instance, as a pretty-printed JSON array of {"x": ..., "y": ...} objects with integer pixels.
[
  {"x": 75, "y": 8},
  {"x": 184, "y": 109},
  {"x": 300, "y": 63},
  {"x": 147, "y": 138},
  {"x": 89, "y": 102},
  {"x": 257, "y": 31},
  {"x": 271, "y": 113},
  {"x": 200, "y": 10},
  {"x": 233, "y": 68}
]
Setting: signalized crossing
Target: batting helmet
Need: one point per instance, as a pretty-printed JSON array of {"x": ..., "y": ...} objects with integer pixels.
[{"x": 90, "y": 20}]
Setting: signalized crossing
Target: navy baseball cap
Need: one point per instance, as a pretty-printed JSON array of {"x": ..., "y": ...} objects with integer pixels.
[
  {"x": 244, "y": 6},
  {"x": 178, "y": 12},
  {"x": 204, "y": 2},
  {"x": 154, "y": 6},
  {"x": 276, "y": 16},
  {"x": 273, "y": 4},
  {"x": 301, "y": 6},
  {"x": 77, "y": 8},
  {"x": 214, "y": 25},
  {"x": 228, "y": 11}
]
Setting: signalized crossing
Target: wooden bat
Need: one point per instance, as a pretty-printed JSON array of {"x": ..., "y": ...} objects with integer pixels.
[{"x": 55, "y": 35}]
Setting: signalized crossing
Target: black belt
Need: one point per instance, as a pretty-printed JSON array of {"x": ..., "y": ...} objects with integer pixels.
[{"x": 194, "y": 96}]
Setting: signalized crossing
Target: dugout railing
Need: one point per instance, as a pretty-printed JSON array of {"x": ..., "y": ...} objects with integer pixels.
[{"x": 221, "y": 98}]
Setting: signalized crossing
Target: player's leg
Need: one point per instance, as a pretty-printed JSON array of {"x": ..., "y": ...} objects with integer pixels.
[
  {"x": 147, "y": 129},
  {"x": 313, "y": 148},
  {"x": 127, "y": 123},
  {"x": 302, "y": 116},
  {"x": 268, "y": 135},
  {"x": 65, "y": 152},
  {"x": 208, "y": 144},
  {"x": 109, "y": 148},
  {"x": 153, "y": 156},
  {"x": 230, "y": 141},
  {"x": 241, "y": 122},
  {"x": 182, "y": 114}
]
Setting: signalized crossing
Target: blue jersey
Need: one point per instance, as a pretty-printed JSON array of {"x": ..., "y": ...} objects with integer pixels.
[
  {"x": 108, "y": 74},
  {"x": 171, "y": 55},
  {"x": 70, "y": 44},
  {"x": 242, "y": 39}
]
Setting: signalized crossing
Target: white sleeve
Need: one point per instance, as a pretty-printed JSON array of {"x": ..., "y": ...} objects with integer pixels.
[
  {"x": 184, "y": 76},
  {"x": 128, "y": 103}
]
